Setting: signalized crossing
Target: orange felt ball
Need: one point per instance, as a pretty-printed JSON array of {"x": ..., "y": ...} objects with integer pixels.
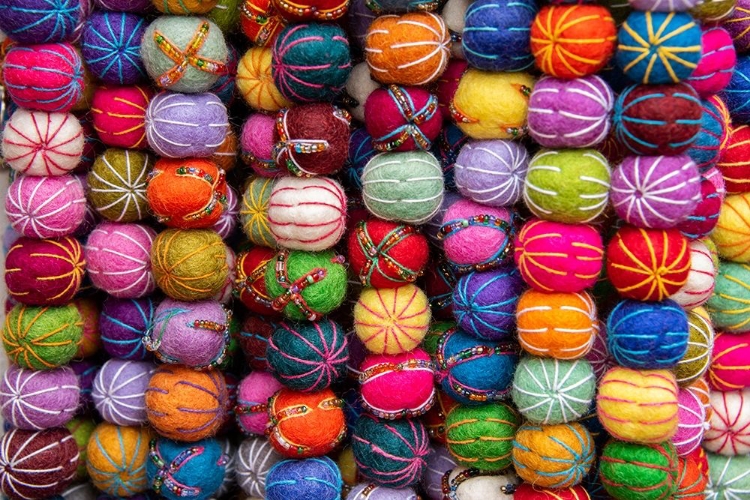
[
  {"x": 648, "y": 264},
  {"x": 691, "y": 481},
  {"x": 571, "y": 41},
  {"x": 187, "y": 193}
]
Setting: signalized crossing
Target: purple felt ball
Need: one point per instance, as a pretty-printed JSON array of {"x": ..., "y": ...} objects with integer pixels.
[
  {"x": 41, "y": 21},
  {"x": 124, "y": 5},
  {"x": 372, "y": 491},
  {"x": 186, "y": 125},
  {"x": 111, "y": 47},
  {"x": 195, "y": 334},
  {"x": 663, "y": 5},
  {"x": 123, "y": 323},
  {"x": 119, "y": 391},
  {"x": 484, "y": 303},
  {"x": 655, "y": 191},
  {"x": 492, "y": 172},
  {"x": 359, "y": 18},
  {"x": 85, "y": 370},
  {"x": 738, "y": 26},
  {"x": 439, "y": 462},
  {"x": 570, "y": 113},
  {"x": 35, "y": 400}
]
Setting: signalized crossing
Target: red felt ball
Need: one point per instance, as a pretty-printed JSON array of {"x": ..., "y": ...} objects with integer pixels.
[
  {"x": 648, "y": 264},
  {"x": 44, "y": 272},
  {"x": 447, "y": 85},
  {"x": 385, "y": 254},
  {"x": 704, "y": 218},
  {"x": 260, "y": 21},
  {"x": 310, "y": 10},
  {"x": 734, "y": 163},
  {"x": 440, "y": 279},
  {"x": 253, "y": 339},
  {"x": 119, "y": 115},
  {"x": 249, "y": 284},
  {"x": 526, "y": 491}
]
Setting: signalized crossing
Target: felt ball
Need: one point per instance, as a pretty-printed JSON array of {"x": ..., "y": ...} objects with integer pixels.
[
  {"x": 119, "y": 389},
  {"x": 736, "y": 93},
  {"x": 184, "y": 404},
  {"x": 729, "y": 368},
  {"x": 359, "y": 86},
  {"x": 728, "y": 433},
  {"x": 734, "y": 164},
  {"x": 716, "y": 64},
  {"x": 39, "y": 143},
  {"x": 370, "y": 491},
  {"x": 116, "y": 185},
  {"x": 398, "y": 385},
  {"x": 709, "y": 145},
  {"x": 691, "y": 416},
  {"x": 484, "y": 303},
  {"x": 433, "y": 225},
  {"x": 714, "y": 177},
  {"x": 253, "y": 339},
  {"x": 702, "y": 390},
  {"x": 45, "y": 77},
  {"x": 37, "y": 464},
  {"x": 201, "y": 474},
  {"x": 648, "y": 470},
  {"x": 526, "y": 491},
  {"x": 736, "y": 25},
  {"x": 254, "y": 211},
  {"x": 117, "y": 259},
  {"x": 469, "y": 484},
  {"x": 225, "y": 86},
  {"x": 728, "y": 303},
  {"x": 390, "y": 453},
  {"x": 255, "y": 81},
  {"x": 481, "y": 437},
  {"x": 116, "y": 459},
  {"x": 36, "y": 400},
  {"x": 553, "y": 456},
  {"x": 249, "y": 285},
  {"x": 691, "y": 480},
  {"x": 184, "y": 6},
  {"x": 189, "y": 265},
  {"x": 658, "y": 119},
  {"x": 638, "y": 406},
  {"x": 81, "y": 428},
  {"x": 728, "y": 476},
  {"x": 391, "y": 320},
  {"x": 119, "y": 115},
  {"x": 454, "y": 15},
  {"x": 711, "y": 11},
  {"x": 447, "y": 84},
  {"x": 313, "y": 139},
  {"x": 227, "y": 223},
  {"x": 318, "y": 478},
  {"x": 571, "y": 41},
  {"x": 44, "y": 272},
  {"x": 111, "y": 47},
  {"x": 258, "y": 142},
  {"x": 253, "y": 394},
  {"x": 474, "y": 371},
  {"x": 501, "y": 117},
  {"x": 255, "y": 457},
  {"x": 439, "y": 463},
  {"x": 261, "y": 21},
  {"x": 226, "y": 15},
  {"x": 704, "y": 218},
  {"x": 491, "y": 172},
  {"x": 570, "y": 186},
  {"x": 42, "y": 338},
  {"x": 697, "y": 358},
  {"x": 226, "y": 154},
  {"x": 31, "y": 22},
  {"x": 701, "y": 278},
  {"x": 730, "y": 234},
  {"x": 402, "y": 118},
  {"x": 190, "y": 40},
  {"x": 123, "y": 323},
  {"x": 91, "y": 341},
  {"x": 310, "y": 62}
]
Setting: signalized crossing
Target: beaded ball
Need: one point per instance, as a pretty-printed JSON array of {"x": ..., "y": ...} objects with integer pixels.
[
  {"x": 249, "y": 284},
  {"x": 491, "y": 172},
  {"x": 625, "y": 467},
  {"x": 175, "y": 469},
  {"x": 402, "y": 118},
  {"x": 123, "y": 323},
  {"x": 36, "y": 400},
  {"x": 116, "y": 185},
  {"x": 260, "y": 21},
  {"x": 111, "y": 46},
  {"x": 257, "y": 144}
]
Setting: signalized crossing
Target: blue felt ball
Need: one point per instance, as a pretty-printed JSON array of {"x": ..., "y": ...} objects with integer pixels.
[
  {"x": 497, "y": 34},
  {"x": 706, "y": 149},
  {"x": 201, "y": 467},
  {"x": 111, "y": 47},
  {"x": 309, "y": 479},
  {"x": 40, "y": 21},
  {"x": 737, "y": 94},
  {"x": 446, "y": 147},
  {"x": 361, "y": 151},
  {"x": 658, "y": 47},
  {"x": 647, "y": 335}
]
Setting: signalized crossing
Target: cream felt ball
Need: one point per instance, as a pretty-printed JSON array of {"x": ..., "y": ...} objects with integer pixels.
[
  {"x": 40, "y": 143},
  {"x": 197, "y": 45},
  {"x": 728, "y": 433},
  {"x": 255, "y": 457},
  {"x": 359, "y": 86},
  {"x": 36, "y": 400},
  {"x": 491, "y": 172},
  {"x": 468, "y": 484},
  {"x": 119, "y": 115},
  {"x": 701, "y": 278},
  {"x": 454, "y": 15},
  {"x": 697, "y": 358},
  {"x": 117, "y": 257},
  {"x": 691, "y": 418},
  {"x": 728, "y": 304},
  {"x": 716, "y": 65},
  {"x": 119, "y": 391},
  {"x": 732, "y": 228}
]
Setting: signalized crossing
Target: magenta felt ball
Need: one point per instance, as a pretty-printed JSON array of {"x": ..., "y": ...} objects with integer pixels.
[
  {"x": 716, "y": 66},
  {"x": 119, "y": 391},
  {"x": 194, "y": 334},
  {"x": 713, "y": 175},
  {"x": 491, "y": 172},
  {"x": 705, "y": 216},
  {"x": 45, "y": 207},
  {"x": 570, "y": 113},
  {"x": 122, "y": 325},
  {"x": 36, "y": 400},
  {"x": 691, "y": 417},
  {"x": 47, "y": 77},
  {"x": 252, "y": 400},
  {"x": 119, "y": 115},
  {"x": 655, "y": 191},
  {"x": 257, "y": 143},
  {"x": 119, "y": 261},
  {"x": 402, "y": 118}
]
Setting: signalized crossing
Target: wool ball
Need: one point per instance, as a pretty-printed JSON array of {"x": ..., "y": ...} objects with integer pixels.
[
  {"x": 119, "y": 115},
  {"x": 439, "y": 462},
  {"x": 184, "y": 404},
  {"x": 716, "y": 65},
  {"x": 44, "y": 272},
  {"x": 36, "y": 400},
  {"x": 175, "y": 469},
  {"x": 37, "y": 464},
  {"x": 736, "y": 25},
  {"x": 255, "y": 81},
  {"x": 255, "y": 457},
  {"x": 91, "y": 341},
  {"x": 258, "y": 142},
  {"x": 704, "y": 218},
  {"x": 116, "y": 185},
  {"x": 249, "y": 284},
  {"x": 728, "y": 305},
  {"x": 650, "y": 470},
  {"x": 195, "y": 42},
  {"x": 397, "y": 386},
  {"x": 707, "y": 148},
  {"x": 184, "y": 6},
  {"x": 402, "y": 118},
  {"x": 44, "y": 144},
  {"x": 702, "y": 390},
  {"x": 691, "y": 479},
  {"x": 111, "y": 47},
  {"x": 225, "y": 86},
  {"x": 697, "y": 358},
  {"x": 117, "y": 258},
  {"x": 691, "y": 416},
  {"x": 447, "y": 84},
  {"x": 599, "y": 357},
  {"x": 359, "y": 86},
  {"x": 728, "y": 433},
  {"x": 474, "y": 371},
  {"x": 261, "y": 22},
  {"x": 391, "y": 320},
  {"x": 503, "y": 116},
  {"x": 119, "y": 389},
  {"x": 491, "y": 172},
  {"x": 638, "y": 406},
  {"x": 734, "y": 163},
  {"x": 124, "y": 5},
  {"x": 701, "y": 278},
  {"x": 729, "y": 368},
  {"x": 484, "y": 303},
  {"x": 226, "y": 15},
  {"x": 254, "y": 211},
  {"x": 446, "y": 148},
  {"x": 253, "y": 394},
  {"x": 81, "y": 428},
  {"x": 714, "y": 177},
  {"x": 116, "y": 459},
  {"x": 730, "y": 234},
  {"x": 728, "y": 476},
  {"x": 711, "y": 11},
  {"x": 31, "y": 22},
  {"x": 553, "y": 456},
  {"x": 432, "y": 227},
  {"x": 571, "y": 41},
  {"x": 469, "y": 484},
  {"x": 736, "y": 93},
  {"x": 123, "y": 323},
  {"x": 318, "y": 478},
  {"x": 371, "y": 491},
  {"x": 226, "y": 154}
]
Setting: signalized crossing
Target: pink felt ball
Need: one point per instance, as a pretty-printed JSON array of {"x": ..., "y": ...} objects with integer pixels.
[
  {"x": 691, "y": 417},
  {"x": 258, "y": 140},
  {"x": 119, "y": 115},
  {"x": 252, "y": 401},
  {"x": 730, "y": 362},
  {"x": 729, "y": 425},
  {"x": 46, "y": 77},
  {"x": 716, "y": 66},
  {"x": 45, "y": 207},
  {"x": 402, "y": 118},
  {"x": 447, "y": 85},
  {"x": 35, "y": 400},
  {"x": 397, "y": 386},
  {"x": 705, "y": 216},
  {"x": 556, "y": 257},
  {"x": 713, "y": 175},
  {"x": 118, "y": 259}
]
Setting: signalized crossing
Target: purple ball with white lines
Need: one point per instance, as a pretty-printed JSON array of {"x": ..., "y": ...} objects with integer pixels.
[
  {"x": 119, "y": 391},
  {"x": 492, "y": 172},
  {"x": 439, "y": 462},
  {"x": 371, "y": 491},
  {"x": 186, "y": 125},
  {"x": 570, "y": 113},
  {"x": 655, "y": 191},
  {"x": 111, "y": 47},
  {"x": 36, "y": 400},
  {"x": 123, "y": 323}
]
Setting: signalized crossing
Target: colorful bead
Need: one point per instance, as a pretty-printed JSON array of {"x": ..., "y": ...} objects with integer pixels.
[{"x": 187, "y": 58}]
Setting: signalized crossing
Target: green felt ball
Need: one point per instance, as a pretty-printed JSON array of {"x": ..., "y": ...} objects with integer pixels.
[
  {"x": 226, "y": 15},
  {"x": 569, "y": 185},
  {"x": 437, "y": 329},
  {"x": 116, "y": 185},
  {"x": 728, "y": 305},
  {"x": 551, "y": 391},
  {"x": 482, "y": 436},
  {"x": 254, "y": 212},
  {"x": 631, "y": 471},
  {"x": 728, "y": 477}
]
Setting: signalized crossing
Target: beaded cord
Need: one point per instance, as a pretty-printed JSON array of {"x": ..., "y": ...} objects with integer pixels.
[
  {"x": 413, "y": 6},
  {"x": 164, "y": 477},
  {"x": 217, "y": 185},
  {"x": 186, "y": 58},
  {"x": 275, "y": 419},
  {"x": 412, "y": 117},
  {"x": 251, "y": 160},
  {"x": 377, "y": 253},
  {"x": 312, "y": 11},
  {"x": 450, "y": 487},
  {"x": 384, "y": 368},
  {"x": 263, "y": 18},
  {"x": 284, "y": 149},
  {"x": 246, "y": 284},
  {"x": 498, "y": 258}
]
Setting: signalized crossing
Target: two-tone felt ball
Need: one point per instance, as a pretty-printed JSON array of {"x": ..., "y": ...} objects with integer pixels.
[
  {"x": 491, "y": 172},
  {"x": 701, "y": 279},
  {"x": 111, "y": 47},
  {"x": 119, "y": 115},
  {"x": 116, "y": 185}
]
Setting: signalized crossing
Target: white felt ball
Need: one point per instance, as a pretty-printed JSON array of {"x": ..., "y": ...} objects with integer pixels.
[
  {"x": 701, "y": 278},
  {"x": 481, "y": 487},
  {"x": 359, "y": 86},
  {"x": 255, "y": 457},
  {"x": 729, "y": 427},
  {"x": 453, "y": 14},
  {"x": 307, "y": 213},
  {"x": 41, "y": 143}
]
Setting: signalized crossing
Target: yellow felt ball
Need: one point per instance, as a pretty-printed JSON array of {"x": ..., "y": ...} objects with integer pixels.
[
  {"x": 116, "y": 459},
  {"x": 392, "y": 320},
  {"x": 492, "y": 105},
  {"x": 638, "y": 405},
  {"x": 255, "y": 81},
  {"x": 732, "y": 232}
]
